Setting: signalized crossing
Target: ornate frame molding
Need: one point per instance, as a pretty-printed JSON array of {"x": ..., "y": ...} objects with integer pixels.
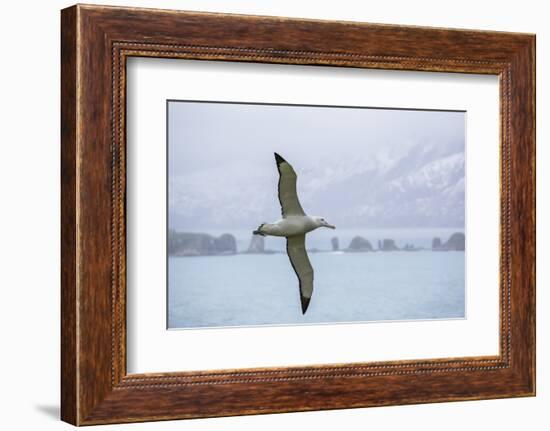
[{"x": 96, "y": 41}]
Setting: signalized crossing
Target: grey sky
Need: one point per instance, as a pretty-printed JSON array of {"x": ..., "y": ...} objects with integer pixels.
[{"x": 357, "y": 167}]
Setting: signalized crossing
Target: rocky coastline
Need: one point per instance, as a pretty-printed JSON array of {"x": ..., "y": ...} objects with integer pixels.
[{"x": 187, "y": 244}]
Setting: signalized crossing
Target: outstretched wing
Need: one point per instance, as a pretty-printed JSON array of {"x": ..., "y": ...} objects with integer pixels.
[
  {"x": 296, "y": 250},
  {"x": 290, "y": 205}
]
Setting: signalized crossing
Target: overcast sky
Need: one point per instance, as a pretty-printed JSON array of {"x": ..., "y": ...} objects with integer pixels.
[{"x": 357, "y": 167}]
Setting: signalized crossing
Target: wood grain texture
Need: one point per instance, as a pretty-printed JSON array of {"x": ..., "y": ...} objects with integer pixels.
[
  {"x": 69, "y": 365},
  {"x": 96, "y": 41}
]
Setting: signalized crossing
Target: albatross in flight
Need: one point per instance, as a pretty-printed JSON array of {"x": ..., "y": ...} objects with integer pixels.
[{"x": 294, "y": 225}]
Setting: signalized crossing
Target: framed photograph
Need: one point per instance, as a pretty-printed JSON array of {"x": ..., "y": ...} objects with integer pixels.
[{"x": 265, "y": 214}]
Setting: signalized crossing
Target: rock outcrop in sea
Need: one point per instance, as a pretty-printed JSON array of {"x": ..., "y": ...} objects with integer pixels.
[
  {"x": 225, "y": 244},
  {"x": 257, "y": 244},
  {"x": 335, "y": 243},
  {"x": 387, "y": 245},
  {"x": 200, "y": 244},
  {"x": 359, "y": 244},
  {"x": 456, "y": 242}
]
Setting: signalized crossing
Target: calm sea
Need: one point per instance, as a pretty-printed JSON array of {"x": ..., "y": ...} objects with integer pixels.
[{"x": 243, "y": 290}]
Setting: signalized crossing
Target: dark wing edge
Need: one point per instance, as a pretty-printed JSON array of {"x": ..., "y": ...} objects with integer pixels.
[
  {"x": 287, "y": 192},
  {"x": 297, "y": 254}
]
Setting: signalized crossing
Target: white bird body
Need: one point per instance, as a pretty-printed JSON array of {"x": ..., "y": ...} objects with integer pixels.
[
  {"x": 290, "y": 226},
  {"x": 294, "y": 225}
]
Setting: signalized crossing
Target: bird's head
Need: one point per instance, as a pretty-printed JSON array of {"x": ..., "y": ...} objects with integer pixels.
[{"x": 321, "y": 222}]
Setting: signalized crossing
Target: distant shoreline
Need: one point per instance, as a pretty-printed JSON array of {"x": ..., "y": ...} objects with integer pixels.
[{"x": 190, "y": 244}]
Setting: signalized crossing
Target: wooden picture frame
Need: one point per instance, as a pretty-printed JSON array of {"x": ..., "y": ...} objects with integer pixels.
[{"x": 95, "y": 43}]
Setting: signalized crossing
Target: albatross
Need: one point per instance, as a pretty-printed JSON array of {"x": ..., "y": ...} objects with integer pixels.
[{"x": 294, "y": 225}]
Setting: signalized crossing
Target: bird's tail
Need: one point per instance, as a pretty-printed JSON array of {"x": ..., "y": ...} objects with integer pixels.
[{"x": 259, "y": 230}]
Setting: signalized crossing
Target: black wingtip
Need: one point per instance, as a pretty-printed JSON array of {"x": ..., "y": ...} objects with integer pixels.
[
  {"x": 305, "y": 303},
  {"x": 279, "y": 159}
]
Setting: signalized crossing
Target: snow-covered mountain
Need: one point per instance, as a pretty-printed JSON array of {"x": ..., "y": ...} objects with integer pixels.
[{"x": 425, "y": 187}]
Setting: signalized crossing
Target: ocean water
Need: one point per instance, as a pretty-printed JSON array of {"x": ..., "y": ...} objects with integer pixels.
[{"x": 244, "y": 290}]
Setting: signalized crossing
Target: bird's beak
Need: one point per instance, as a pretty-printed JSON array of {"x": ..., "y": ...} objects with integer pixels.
[{"x": 330, "y": 226}]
